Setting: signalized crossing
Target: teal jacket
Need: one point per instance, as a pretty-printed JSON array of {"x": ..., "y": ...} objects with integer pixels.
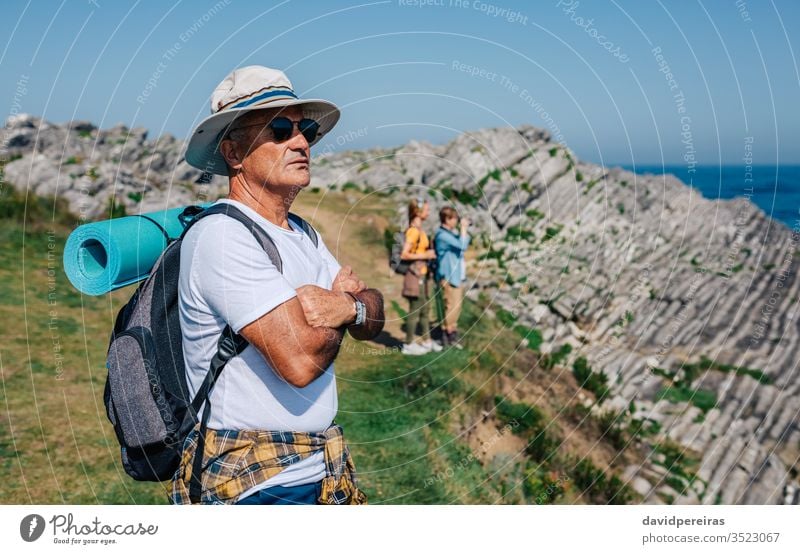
[{"x": 450, "y": 247}]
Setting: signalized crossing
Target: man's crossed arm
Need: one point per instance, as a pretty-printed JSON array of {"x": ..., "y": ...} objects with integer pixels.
[
  {"x": 336, "y": 308},
  {"x": 301, "y": 337}
]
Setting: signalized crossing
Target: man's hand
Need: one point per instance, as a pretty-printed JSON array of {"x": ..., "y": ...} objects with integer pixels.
[
  {"x": 327, "y": 308},
  {"x": 347, "y": 281}
]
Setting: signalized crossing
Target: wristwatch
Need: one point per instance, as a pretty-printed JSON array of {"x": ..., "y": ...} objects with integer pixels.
[{"x": 361, "y": 310}]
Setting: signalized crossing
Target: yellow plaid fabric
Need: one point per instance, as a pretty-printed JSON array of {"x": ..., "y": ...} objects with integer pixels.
[{"x": 235, "y": 461}]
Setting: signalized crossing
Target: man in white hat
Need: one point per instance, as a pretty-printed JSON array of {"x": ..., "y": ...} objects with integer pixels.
[{"x": 271, "y": 436}]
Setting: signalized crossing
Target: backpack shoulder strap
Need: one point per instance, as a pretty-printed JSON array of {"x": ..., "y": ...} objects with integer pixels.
[
  {"x": 229, "y": 345},
  {"x": 257, "y": 231},
  {"x": 306, "y": 227}
]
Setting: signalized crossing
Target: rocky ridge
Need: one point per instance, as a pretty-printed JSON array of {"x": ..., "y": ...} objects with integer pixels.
[{"x": 685, "y": 307}]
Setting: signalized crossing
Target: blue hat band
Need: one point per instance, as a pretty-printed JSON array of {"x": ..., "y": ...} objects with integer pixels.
[{"x": 270, "y": 94}]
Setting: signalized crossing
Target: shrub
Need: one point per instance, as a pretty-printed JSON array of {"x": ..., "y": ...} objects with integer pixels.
[
  {"x": 543, "y": 487},
  {"x": 596, "y": 382},
  {"x": 703, "y": 399},
  {"x": 551, "y": 360},
  {"x": 517, "y": 233},
  {"x": 533, "y": 336},
  {"x": 36, "y": 211},
  {"x": 706, "y": 363},
  {"x": 506, "y": 318},
  {"x": 521, "y": 416},
  {"x": 611, "y": 426},
  {"x": 598, "y": 487},
  {"x": 541, "y": 446},
  {"x": 115, "y": 209},
  {"x": 551, "y": 232},
  {"x": 534, "y": 214}
]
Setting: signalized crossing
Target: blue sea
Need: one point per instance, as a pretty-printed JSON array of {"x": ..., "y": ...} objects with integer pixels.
[{"x": 776, "y": 190}]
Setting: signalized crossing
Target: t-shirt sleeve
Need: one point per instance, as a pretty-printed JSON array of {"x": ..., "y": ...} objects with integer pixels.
[
  {"x": 333, "y": 265},
  {"x": 234, "y": 275}
]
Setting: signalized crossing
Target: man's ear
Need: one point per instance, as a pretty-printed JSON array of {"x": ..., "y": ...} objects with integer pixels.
[{"x": 230, "y": 151}]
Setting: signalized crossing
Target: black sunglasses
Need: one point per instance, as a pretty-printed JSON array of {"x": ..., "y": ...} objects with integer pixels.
[{"x": 282, "y": 128}]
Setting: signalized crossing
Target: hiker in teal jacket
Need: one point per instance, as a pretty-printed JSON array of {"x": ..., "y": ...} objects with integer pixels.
[{"x": 450, "y": 246}]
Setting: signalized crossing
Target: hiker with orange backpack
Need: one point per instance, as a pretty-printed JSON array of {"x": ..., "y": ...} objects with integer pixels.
[{"x": 416, "y": 281}]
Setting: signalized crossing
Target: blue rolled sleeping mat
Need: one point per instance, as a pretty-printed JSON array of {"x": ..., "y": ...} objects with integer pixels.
[{"x": 106, "y": 255}]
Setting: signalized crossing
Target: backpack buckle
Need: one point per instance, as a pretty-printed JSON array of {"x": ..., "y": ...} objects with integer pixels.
[
  {"x": 226, "y": 346},
  {"x": 188, "y": 214}
]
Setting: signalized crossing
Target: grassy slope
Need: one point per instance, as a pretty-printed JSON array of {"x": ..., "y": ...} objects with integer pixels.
[{"x": 408, "y": 420}]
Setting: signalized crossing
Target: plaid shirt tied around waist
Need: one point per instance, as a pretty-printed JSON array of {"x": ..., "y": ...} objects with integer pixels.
[{"x": 235, "y": 461}]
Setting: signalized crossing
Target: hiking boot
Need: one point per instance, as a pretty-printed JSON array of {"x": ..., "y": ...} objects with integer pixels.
[
  {"x": 432, "y": 346},
  {"x": 414, "y": 349}
]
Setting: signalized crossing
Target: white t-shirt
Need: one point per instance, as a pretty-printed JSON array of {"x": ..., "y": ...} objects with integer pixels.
[{"x": 227, "y": 278}]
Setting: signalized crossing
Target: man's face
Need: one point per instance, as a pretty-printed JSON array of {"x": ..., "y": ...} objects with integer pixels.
[{"x": 265, "y": 161}]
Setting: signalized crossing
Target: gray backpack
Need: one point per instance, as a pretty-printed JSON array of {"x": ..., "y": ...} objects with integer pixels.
[{"x": 146, "y": 393}]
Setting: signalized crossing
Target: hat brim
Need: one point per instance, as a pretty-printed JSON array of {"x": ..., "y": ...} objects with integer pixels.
[{"x": 203, "y": 152}]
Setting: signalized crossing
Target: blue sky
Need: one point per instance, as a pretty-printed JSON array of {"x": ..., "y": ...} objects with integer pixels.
[{"x": 399, "y": 71}]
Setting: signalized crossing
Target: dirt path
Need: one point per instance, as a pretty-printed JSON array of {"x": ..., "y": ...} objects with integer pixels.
[{"x": 352, "y": 226}]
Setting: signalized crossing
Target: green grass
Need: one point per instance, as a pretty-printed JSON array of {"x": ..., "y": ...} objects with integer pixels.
[
  {"x": 518, "y": 233},
  {"x": 553, "y": 359},
  {"x": 494, "y": 254},
  {"x": 534, "y": 214},
  {"x": 52, "y": 371},
  {"x": 706, "y": 363},
  {"x": 551, "y": 232},
  {"x": 544, "y": 487},
  {"x": 598, "y": 486},
  {"x": 680, "y": 464},
  {"x": 115, "y": 209},
  {"x": 521, "y": 417},
  {"x": 395, "y": 417},
  {"x": 463, "y": 196},
  {"x": 403, "y": 416},
  {"x": 532, "y": 335},
  {"x": 703, "y": 399},
  {"x": 596, "y": 382}
]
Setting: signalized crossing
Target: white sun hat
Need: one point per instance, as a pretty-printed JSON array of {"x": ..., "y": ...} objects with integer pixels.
[{"x": 250, "y": 88}]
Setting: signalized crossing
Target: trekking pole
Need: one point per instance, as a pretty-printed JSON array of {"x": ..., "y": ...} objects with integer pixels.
[{"x": 437, "y": 292}]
